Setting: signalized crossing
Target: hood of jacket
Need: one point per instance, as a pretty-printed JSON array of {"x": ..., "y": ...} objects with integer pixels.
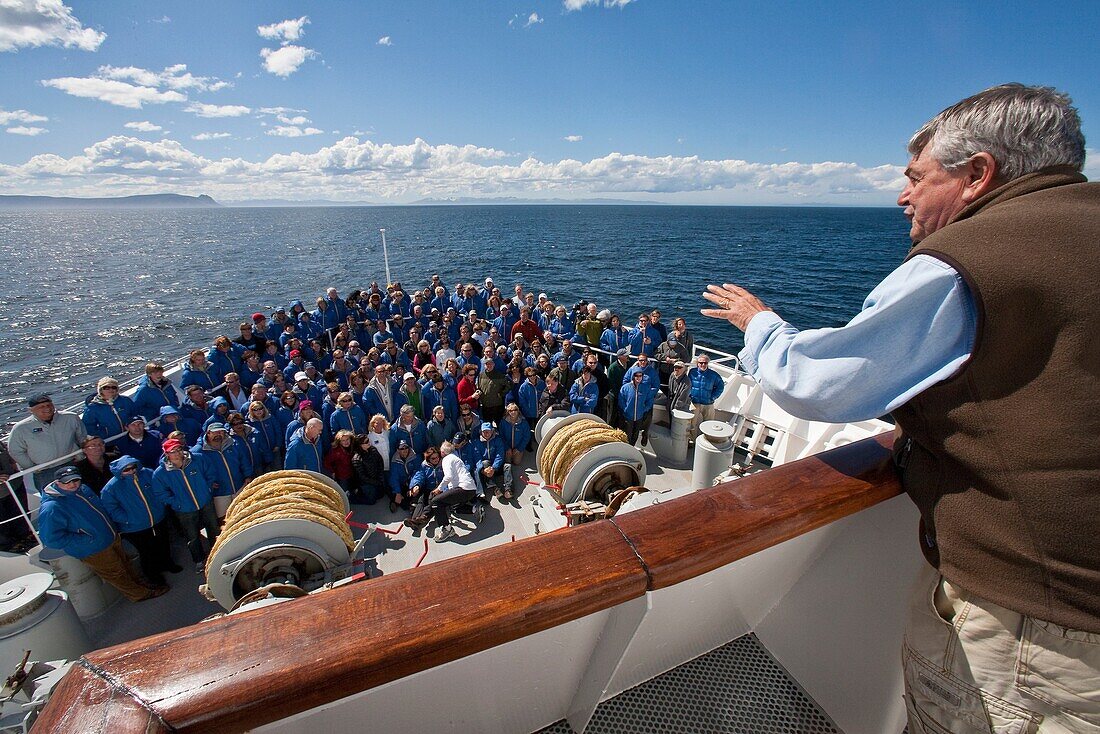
[{"x": 121, "y": 463}]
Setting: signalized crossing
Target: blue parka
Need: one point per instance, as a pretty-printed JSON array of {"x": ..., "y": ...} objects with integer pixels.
[
  {"x": 515, "y": 436},
  {"x": 188, "y": 489},
  {"x": 427, "y": 477},
  {"x": 374, "y": 404},
  {"x": 147, "y": 450},
  {"x": 489, "y": 453},
  {"x": 403, "y": 471},
  {"x": 228, "y": 464},
  {"x": 584, "y": 398},
  {"x": 436, "y": 433},
  {"x": 529, "y": 398},
  {"x": 105, "y": 419},
  {"x": 74, "y": 522},
  {"x": 416, "y": 436},
  {"x": 301, "y": 454},
  {"x": 348, "y": 419},
  {"x": 270, "y": 436},
  {"x": 706, "y": 387},
  {"x": 634, "y": 404},
  {"x": 612, "y": 340},
  {"x": 637, "y": 337},
  {"x": 254, "y": 450},
  {"x": 150, "y": 397},
  {"x": 202, "y": 378},
  {"x": 131, "y": 501},
  {"x": 430, "y": 397}
]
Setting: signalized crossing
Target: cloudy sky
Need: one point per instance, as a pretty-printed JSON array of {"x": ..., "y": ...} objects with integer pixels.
[{"x": 718, "y": 102}]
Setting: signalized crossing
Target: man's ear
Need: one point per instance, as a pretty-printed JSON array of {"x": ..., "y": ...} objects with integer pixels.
[{"x": 981, "y": 176}]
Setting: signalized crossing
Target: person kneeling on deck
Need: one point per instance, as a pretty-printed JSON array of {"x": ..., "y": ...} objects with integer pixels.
[
  {"x": 73, "y": 519},
  {"x": 990, "y": 324},
  {"x": 456, "y": 488},
  {"x": 427, "y": 477},
  {"x": 403, "y": 466},
  {"x": 493, "y": 472}
]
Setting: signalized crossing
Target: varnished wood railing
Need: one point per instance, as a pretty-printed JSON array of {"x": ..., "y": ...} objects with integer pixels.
[{"x": 242, "y": 671}]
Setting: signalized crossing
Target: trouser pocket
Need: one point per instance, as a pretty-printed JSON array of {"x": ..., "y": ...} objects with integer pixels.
[
  {"x": 1061, "y": 667},
  {"x": 940, "y": 703}
]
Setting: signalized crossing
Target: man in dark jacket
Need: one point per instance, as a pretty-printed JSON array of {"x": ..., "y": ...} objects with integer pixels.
[{"x": 990, "y": 324}]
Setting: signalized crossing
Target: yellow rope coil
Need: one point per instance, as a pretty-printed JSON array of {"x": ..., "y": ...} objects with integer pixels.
[
  {"x": 284, "y": 495},
  {"x": 570, "y": 443}
]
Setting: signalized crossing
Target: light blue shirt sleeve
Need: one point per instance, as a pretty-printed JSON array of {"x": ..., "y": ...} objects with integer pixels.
[{"x": 917, "y": 328}]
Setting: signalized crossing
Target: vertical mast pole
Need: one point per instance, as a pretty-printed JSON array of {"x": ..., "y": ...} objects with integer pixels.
[{"x": 386, "y": 255}]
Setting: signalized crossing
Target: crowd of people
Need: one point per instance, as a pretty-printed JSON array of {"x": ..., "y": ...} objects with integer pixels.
[{"x": 426, "y": 401}]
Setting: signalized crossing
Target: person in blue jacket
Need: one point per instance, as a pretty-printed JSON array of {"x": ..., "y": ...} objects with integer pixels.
[
  {"x": 403, "y": 466},
  {"x": 440, "y": 428},
  {"x": 154, "y": 391},
  {"x": 228, "y": 464},
  {"x": 187, "y": 482},
  {"x": 515, "y": 433},
  {"x": 410, "y": 429},
  {"x": 347, "y": 416},
  {"x": 307, "y": 389},
  {"x": 72, "y": 519},
  {"x": 375, "y": 398},
  {"x": 493, "y": 472},
  {"x": 643, "y": 338},
  {"x": 615, "y": 336},
  {"x": 439, "y": 393},
  {"x": 426, "y": 479},
  {"x": 306, "y": 450},
  {"x": 584, "y": 395},
  {"x": 139, "y": 511},
  {"x": 172, "y": 420},
  {"x": 636, "y": 408},
  {"x": 108, "y": 413},
  {"x": 307, "y": 328},
  {"x": 140, "y": 442},
  {"x": 247, "y": 440},
  {"x": 196, "y": 406},
  {"x": 706, "y": 387},
  {"x": 325, "y": 316},
  {"x": 219, "y": 411},
  {"x": 646, "y": 367},
  {"x": 270, "y": 437},
  {"x": 198, "y": 371},
  {"x": 528, "y": 393},
  {"x": 223, "y": 358}
]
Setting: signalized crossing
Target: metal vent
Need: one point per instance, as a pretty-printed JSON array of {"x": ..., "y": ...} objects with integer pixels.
[{"x": 738, "y": 688}]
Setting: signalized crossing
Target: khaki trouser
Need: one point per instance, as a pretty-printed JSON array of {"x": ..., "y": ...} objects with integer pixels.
[
  {"x": 112, "y": 565},
  {"x": 973, "y": 666},
  {"x": 700, "y": 413}
]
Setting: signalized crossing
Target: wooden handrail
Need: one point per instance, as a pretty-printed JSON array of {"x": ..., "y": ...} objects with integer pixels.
[{"x": 241, "y": 671}]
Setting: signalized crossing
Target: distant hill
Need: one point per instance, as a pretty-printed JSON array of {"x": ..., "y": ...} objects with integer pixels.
[
  {"x": 515, "y": 200},
  {"x": 144, "y": 201}
]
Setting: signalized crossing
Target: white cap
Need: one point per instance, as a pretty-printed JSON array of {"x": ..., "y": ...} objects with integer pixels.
[
  {"x": 408, "y": 376},
  {"x": 301, "y": 376}
]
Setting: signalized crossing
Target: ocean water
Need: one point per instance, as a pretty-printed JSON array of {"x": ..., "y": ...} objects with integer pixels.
[{"x": 96, "y": 292}]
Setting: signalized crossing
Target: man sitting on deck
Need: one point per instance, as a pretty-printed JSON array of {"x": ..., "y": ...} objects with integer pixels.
[{"x": 990, "y": 324}]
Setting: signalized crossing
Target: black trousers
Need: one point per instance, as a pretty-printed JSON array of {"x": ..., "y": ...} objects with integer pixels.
[
  {"x": 442, "y": 504},
  {"x": 633, "y": 428},
  {"x": 492, "y": 413},
  {"x": 192, "y": 523},
  {"x": 153, "y": 549}
]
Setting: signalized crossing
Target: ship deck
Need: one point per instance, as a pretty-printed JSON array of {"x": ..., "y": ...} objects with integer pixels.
[{"x": 384, "y": 553}]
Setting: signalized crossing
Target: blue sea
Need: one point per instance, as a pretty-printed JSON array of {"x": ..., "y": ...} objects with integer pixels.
[{"x": 96, "y": 292}]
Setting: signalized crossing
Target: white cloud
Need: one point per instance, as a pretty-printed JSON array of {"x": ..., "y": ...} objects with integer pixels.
[
  {"x": 25, "y": 23},
  {"x": 210, "y": 136},
  {"x": 350, "y": 169},
  {"x": 573, "y": 138},
  {"x": 285, "y": 31},
  {"x": 162, "y": 19},
  {"x": 113, "y": 92},
  {"x": 571, "y": 5},
  {"x": 532, "y": 19},
  {"x": 385, "y": 41},
  {"x": 280, "y": 110},
  {"x": 292, "y": 131},
  {"x": 144, "y": 126},
  {"x": 285, "y": 61},
  {"x": 297, "y": 120},
  {"x": 26, "y": 130},
  {"x": 7, "y": 118},
  {"x": 217, "y": 110},
  {"x": 173, "y": 77}
]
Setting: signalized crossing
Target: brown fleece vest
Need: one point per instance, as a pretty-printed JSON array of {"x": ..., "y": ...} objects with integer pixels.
[{"x": 1003, "y": 458}]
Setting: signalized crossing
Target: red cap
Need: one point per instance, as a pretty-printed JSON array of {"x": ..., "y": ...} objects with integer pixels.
[
  {"x": 171, "y": 445},
  {"x": 295, "y": 353},
  {"x": 258, "y": 316}
]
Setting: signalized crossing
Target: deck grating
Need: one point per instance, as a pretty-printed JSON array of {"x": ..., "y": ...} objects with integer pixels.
[{"x": 738, "y": 688}]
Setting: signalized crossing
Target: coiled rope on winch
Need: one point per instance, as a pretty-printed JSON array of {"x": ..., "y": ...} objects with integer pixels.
[
  {"x": 283, "y": 495},
  {"x": 570, "y": 443}
]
